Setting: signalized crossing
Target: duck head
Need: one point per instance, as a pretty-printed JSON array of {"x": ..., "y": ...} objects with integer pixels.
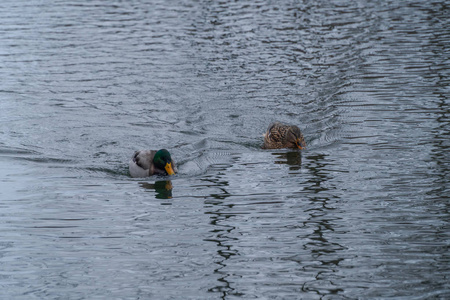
[
  {"x": 294, "y": 138},
  {"x": 163, "y": 161}
]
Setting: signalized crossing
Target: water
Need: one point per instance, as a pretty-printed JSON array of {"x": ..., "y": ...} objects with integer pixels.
[{"x": 363, "y": 212}]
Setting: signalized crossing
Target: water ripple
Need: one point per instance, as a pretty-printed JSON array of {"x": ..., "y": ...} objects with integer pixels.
[{"x": 362, "y": 212}]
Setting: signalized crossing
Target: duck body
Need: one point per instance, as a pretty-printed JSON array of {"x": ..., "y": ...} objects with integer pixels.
[
  {"x": 280, "y": 135},
  {"x": 146, "y": 163}
]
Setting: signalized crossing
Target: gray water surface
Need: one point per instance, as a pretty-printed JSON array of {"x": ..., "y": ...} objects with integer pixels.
[{"x": 363, "y": 212}]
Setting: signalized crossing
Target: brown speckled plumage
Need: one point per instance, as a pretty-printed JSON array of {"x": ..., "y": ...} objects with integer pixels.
[{"x": 279, "y": 135}]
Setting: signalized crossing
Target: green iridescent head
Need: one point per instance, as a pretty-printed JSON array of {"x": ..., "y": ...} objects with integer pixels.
[{"x": 163, "y": 161}]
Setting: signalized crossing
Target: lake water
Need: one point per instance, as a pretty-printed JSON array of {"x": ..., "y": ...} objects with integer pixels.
[{"x": 363, "y": 212}]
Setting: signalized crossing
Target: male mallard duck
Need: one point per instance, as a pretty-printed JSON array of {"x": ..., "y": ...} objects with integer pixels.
[
  {"x": 279, "y": 135},
  {"x": 151, "y": 162}
]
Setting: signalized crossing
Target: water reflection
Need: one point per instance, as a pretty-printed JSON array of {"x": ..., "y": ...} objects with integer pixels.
[
  {"x": 292, "y": 158},
  {"x": 219, "y": 212},
  {"x": 367, "y": 214},
  {"x": 162, "y": 188},
  {"x": 323, "y": 219}
]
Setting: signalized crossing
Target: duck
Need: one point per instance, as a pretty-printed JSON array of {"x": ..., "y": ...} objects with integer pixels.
[
  {"x": 279, "y": 135},
  {"x": 146, "y": 163}
]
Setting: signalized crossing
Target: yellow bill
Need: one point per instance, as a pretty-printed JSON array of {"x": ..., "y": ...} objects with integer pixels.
[{"x": 169, "y": 169}]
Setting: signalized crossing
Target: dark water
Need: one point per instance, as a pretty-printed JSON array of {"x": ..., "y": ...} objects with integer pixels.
[{"x": 363, "y": 212}]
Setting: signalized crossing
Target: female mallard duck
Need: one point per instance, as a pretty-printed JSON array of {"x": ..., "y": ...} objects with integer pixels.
[
  {"x": 151, "y": 162},
  {"x": 279, "y": 135}
]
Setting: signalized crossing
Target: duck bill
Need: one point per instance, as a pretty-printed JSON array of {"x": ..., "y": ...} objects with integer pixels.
[
  {"x": 300, "y": 145},
  {"x": 169, "y": 169}
]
